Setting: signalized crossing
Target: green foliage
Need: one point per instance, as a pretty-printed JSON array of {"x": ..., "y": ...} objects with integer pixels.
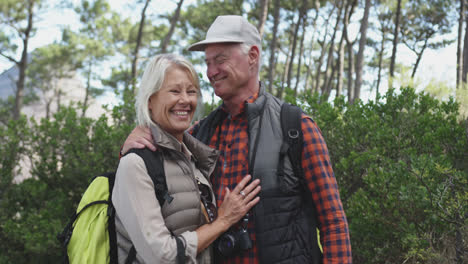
[
  {"x": 400, "y": 164},
  {"x": 402, "y": 171},
  {"x": 65, "y": 152}
]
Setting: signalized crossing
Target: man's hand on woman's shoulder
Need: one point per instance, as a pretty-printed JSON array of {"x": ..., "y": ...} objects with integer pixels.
[{"x": 139, "y": 138}]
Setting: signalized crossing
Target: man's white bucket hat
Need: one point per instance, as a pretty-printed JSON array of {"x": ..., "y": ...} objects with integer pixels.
[{"x": 229, "y": 29}]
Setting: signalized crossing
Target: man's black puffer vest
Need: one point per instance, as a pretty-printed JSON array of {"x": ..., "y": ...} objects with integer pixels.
[{"x": 285, "y": 223}]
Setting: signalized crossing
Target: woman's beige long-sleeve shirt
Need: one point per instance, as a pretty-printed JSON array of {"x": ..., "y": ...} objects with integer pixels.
[{"x": 141, "y": 221}]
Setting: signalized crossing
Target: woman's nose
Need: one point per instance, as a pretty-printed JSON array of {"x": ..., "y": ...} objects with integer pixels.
[{"x": 183, "y": 96}]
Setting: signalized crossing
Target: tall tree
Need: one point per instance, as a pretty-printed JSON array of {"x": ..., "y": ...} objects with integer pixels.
[
  {"x": 93, "y": 41},
  {"x": 424, "y": 20},
  {"x": 340, "y": 63},
  {"x": 302, "y": 12},
  {"x": 173, "y": 22},
  {"x": 48, "y": 67},
  {"x": 310, "y": 62},
  {"x": 396, "y": 33},
  {"x": 273, "y": 43},
  {"x": 18, "y": 20},
  {"x": 301, "y": 53},
  {"x": 351, "y": 4},
  {"x": 360, "y": 54},
  {"x": 385, "y": 20},
  {"x": 465, "y": 53},
  {"x": 326, "y": 86},
  {"x": 323, "y": 44},
  {"x": 461, "y": 20},
  {"x": 136, "y": 50},
  {"x": 262, "y": 16}
]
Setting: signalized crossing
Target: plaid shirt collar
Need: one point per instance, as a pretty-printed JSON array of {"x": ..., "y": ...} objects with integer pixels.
[{"x": 242, "y": 107}]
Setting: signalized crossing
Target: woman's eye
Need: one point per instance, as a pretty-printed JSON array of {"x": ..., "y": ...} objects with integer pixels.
[{"x": 192, "y": 91}]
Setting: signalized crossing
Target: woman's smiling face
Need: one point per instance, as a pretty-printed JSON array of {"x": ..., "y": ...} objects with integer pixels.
[{"x": 173, "y": 106}]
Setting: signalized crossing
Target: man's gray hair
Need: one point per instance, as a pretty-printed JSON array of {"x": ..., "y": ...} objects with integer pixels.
[
  {"x": 245, "y": 47},
  {"x": 152, "y": 80}
]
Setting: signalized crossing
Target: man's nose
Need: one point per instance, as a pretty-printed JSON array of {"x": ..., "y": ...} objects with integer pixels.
[{"x": 211, "y": 71}]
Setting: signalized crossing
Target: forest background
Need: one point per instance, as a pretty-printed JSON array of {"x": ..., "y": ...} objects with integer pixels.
[{"x": 400, "y": 157}]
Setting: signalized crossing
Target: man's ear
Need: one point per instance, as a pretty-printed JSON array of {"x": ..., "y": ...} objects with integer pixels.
[{"x": 254, "y": 55}]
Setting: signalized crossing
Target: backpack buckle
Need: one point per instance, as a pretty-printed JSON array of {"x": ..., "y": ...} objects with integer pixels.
[{"x": 293, "y": 133}]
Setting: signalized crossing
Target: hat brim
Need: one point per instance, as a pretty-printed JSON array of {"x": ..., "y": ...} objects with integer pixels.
[{"x": 201, "y": 45}]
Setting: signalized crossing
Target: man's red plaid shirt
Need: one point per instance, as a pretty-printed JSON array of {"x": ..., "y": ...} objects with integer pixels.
[{"x": 233, "y": 166}]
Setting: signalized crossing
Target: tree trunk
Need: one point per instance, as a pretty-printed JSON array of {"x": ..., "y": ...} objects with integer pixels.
[
  {"x": 315, "y": 89},
  {"x": 349, "y": 48},
  {"x": 395, "y": 40},
  {"x": 465, "y": 52},
  {"x": 23, "y": 63},
  {"x": 47, "y": 108},
  {"x": 301, "y": 54},
  {"x": 344, "y": 36},
  {"x": 263, "y": 16},
  {"x": 379, "y": 74},
  {"x": 360, "y": 54},
  {"x": 294, "y": 43},
  {"x": 327, "y": 92},
  {"x": 276, "y": 11},
  {"x": 459, "y": 242},
  {"x": 419, "y": 57},
  {"x": 340, "y": 67},
  {"x": 285, "y": 73},
  {"x": 327, "y": 77},
  {"x": 459, "y": 43},
  {"x": 308, "y": 65},
  {"x": 137, "y": 48},
  {"x": 88, "y": 88},
  {"x": 174, "y": 20}
]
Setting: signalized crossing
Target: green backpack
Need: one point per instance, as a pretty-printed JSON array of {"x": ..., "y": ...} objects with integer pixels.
[{"x": 90, "y": 236}]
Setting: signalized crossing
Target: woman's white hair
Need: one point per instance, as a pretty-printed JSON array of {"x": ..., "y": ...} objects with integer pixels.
[{"x": 152, "y": 80}]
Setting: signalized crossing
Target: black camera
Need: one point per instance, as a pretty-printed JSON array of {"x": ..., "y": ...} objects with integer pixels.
[{"x": 234, "y": 240}]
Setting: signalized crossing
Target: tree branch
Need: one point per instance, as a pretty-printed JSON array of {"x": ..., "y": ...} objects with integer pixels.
[{"x": 9, "y": 58}]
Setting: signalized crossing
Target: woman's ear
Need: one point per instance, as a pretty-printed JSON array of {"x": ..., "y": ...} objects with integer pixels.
[{"x": 149, "y": 104}]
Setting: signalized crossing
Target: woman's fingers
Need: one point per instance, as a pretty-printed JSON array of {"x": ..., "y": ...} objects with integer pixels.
[
  {"x": 240, "y": 186},
  {"x": 236, "y": 204},
  {"x": 252, "y": 194},
  {"x": 251, "y": 188},
  {"x": 246, "y": 191}
]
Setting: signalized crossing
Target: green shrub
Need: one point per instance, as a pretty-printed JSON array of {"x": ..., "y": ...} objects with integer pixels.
[{"x": 66, "y": 152}]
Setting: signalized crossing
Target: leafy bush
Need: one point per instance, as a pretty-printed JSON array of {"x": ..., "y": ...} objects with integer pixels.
[
  {"x": 401, "y": 165},
  {"x": 66, "y": 152},
  {"x": 402, "y": 168}
]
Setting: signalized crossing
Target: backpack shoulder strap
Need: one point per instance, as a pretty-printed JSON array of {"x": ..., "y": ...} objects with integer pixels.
[
  {"x": 293, "y": 140},
  {"x": 292, "y": 135},
  {"x": 155, "y": 167}
]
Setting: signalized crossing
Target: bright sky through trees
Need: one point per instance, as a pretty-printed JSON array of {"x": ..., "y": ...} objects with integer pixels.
[{"x": 436, "y": 65}]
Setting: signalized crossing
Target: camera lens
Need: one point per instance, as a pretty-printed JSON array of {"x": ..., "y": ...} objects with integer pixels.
[{"x": 226, "y": 244}]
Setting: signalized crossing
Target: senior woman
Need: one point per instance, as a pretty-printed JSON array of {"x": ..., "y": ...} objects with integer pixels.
[{"x": 166, "y": 102}]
